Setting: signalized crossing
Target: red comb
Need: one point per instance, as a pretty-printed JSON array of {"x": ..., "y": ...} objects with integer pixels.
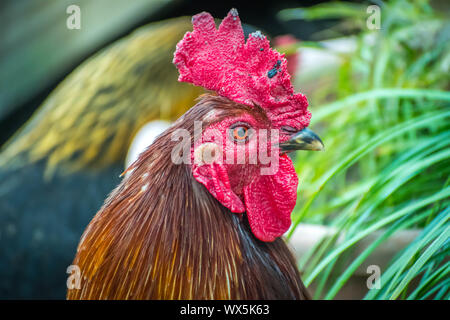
[{"x": 248, "y": 73}]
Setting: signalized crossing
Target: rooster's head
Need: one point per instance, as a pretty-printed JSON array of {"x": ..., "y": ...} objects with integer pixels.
[{"x": 240, "y": 145}]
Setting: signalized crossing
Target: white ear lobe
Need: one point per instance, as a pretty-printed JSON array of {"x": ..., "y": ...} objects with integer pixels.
[{"x": 207, "y": 153}]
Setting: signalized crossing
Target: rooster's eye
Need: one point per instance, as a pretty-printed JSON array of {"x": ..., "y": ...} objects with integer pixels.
[{"x": 240, "y": 132}]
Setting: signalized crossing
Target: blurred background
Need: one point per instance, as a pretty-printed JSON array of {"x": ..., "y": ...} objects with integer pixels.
[{"x": 376, "y": 74}]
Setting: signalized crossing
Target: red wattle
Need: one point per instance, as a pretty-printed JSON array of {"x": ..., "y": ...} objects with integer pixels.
[
  {"x": 269, "y": 201},
  {"x": 215, "y": 178}
]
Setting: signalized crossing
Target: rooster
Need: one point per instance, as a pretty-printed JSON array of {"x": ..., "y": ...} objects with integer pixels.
[
  {"x": 74, "y": 147},
  {"x": 187, "y": 224}
]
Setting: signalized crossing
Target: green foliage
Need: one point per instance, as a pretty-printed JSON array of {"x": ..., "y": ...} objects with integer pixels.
[{"x": 385, "y": 123}]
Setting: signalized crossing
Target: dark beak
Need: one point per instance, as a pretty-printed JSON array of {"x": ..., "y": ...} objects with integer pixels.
[{"x": 303, "y": 140}]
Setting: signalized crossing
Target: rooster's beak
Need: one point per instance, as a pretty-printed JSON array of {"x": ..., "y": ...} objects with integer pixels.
[{"x": 303, "y": 140}]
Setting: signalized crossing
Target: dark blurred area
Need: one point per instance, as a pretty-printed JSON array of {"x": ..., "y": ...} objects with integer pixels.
[{"x": 37, "y": 51}]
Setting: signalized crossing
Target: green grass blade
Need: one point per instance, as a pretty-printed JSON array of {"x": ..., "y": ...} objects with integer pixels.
[
  {"x": 324, "y": 111},
  {"x": 379, "y": 139},
  {"x": 421, "y": 261},
  {"x": 379, "y": 224}
]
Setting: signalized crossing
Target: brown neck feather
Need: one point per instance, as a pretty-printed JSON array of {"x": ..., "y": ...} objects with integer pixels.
[{"x": 161, "y": 235}]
